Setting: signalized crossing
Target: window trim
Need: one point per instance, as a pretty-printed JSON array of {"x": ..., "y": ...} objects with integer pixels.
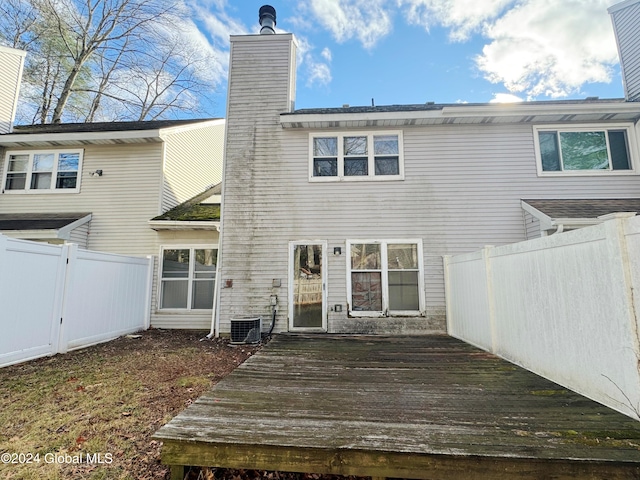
[
  {"x": 35, "y": 191},
  {"x": 606, "y": 127},
  {"x": 190, "y": 278},
  {"x": 370, "y": 177},
  {"x": 385, "y": 312}
]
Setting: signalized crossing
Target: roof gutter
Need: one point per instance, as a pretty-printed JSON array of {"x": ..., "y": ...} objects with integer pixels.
[
  {"x": 159, "y": 225},
  {"x": 449, "y": 114}
]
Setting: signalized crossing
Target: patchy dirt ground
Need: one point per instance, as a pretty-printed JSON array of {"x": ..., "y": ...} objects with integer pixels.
[{"x": 90, "y": 414}]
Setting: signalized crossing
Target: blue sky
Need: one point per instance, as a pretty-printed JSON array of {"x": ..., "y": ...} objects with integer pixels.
[{"x": 415, "y": 51}]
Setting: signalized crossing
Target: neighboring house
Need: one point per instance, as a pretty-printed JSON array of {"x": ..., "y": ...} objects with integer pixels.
[
  {"x": 103, "y": 186},
  {"x": 345, "y": 214}
]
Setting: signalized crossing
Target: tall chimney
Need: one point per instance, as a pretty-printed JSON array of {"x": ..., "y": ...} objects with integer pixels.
[
  {"x": 626, "y": 26},
  {"x": 267, "y": 15},
  {"x": 12, "y": 61}
]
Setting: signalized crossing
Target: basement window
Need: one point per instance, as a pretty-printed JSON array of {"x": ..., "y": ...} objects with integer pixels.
[
  {"x": 356, "y": 156},
  {"x": 42, "y": 171},
  {"x": 584, "y": 150},
  {"x": 187, "y": 278},
  {"x": 385, "y": 278}
]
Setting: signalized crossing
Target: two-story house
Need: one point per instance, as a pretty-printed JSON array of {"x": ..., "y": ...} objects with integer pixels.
[
  {"x": 117, "y": 187},
  {"x": 345, "y": 214}
]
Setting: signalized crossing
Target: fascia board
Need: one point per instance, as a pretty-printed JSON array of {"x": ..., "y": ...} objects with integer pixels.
[
  {"x": 65, "y": 232},
  {"x": 503, "y": 110},
  {"x": 183, "y": 225},
  {"x": 43, "y": 234},
  {"x": 546, "y": 221},
  {"x": 163, "y": 132},
  {"x": 346, "y": 117},
  {"x": 576, "y": 222},
  {"x": 480, "y": 111},
  {"x": 26, "y": 138}
]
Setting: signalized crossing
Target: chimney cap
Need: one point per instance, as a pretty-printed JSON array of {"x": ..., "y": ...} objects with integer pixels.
[{"x": 267, "y": 17}]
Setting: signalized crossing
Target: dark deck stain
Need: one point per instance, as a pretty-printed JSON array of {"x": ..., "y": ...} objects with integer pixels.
[{"x": 420, "y": 407}]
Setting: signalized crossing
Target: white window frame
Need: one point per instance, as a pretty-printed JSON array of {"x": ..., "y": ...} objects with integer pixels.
[
  {"x": 292, "y": 245},
  {"x": 385, "y": 312},
  {"x": 341, "y": 177},
  {"x": 191, "y": 277},
  {"x": 54, "y": 173},
  {"x": 631, "y": 146}
]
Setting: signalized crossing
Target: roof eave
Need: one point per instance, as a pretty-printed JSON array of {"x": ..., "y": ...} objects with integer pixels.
[
  {"x": 483, "y": 114},
  {"x": 16, "y": 140},
  {"x": 208, "y": 225},
  {"x": 43, "y": 234}
]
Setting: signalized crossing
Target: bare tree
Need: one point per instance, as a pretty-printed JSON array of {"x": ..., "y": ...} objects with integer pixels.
[{"x": 91, "y": 59}]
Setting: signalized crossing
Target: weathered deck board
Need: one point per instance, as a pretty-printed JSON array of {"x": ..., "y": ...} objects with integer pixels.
[{"x": 421, "y": 407}]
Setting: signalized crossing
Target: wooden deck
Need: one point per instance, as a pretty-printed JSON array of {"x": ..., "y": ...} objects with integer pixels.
[{"x": 422, "y": 407}]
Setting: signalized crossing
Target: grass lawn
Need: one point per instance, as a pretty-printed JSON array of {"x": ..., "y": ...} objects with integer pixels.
[{"x": 90, "y": 414}]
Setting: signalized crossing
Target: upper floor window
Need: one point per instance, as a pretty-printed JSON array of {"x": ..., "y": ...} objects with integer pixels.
[
  {"x": 42, "y": 171},
  {"x": 356, "y": 156},
  {"x": 584, "y": 150}
]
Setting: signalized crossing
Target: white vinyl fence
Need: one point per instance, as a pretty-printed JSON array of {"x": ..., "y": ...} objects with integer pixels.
[
  {"x": 55, "y": 298},
  {"x": 565, "y": 307}
]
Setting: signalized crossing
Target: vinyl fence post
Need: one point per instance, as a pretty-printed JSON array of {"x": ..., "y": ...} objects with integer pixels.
[
  {"x": 149, "y": 307},
  {"x": 486, "y": 255},
  {"x": 69, "y": 254},
  {"x": 446, "y": 259}
]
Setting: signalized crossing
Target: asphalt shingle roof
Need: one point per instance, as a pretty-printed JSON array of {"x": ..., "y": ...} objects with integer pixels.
[
  {"x": 102, "y": 126},
  {"x": 439, "y": 106},
  {"x": 196, "y": 209},
  {"x": 38, "y": 221},
  {"x": 584, "y": 208}
]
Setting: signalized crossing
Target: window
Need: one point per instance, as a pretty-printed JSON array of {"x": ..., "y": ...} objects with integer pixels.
[
  {"x": 42, "y": 171},
  {"x": 188, "y": 278},
  {"x": 584, "y": 150},
  {"x": 385, "y": 277},
  {"x": 356, "y": 156}
]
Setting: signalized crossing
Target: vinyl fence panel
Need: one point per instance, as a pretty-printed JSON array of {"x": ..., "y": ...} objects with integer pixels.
[
  {"x": 107, "y": 296},
  {"x": 562, "y": 306},
  {"x": 57, "y": 298},
  {"x": 31, "y": 281}
]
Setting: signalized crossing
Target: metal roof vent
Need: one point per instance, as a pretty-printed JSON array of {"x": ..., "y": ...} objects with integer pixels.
[{"x": 267, "y": 15}]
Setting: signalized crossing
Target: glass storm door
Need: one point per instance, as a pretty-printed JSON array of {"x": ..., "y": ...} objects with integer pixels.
[{"x": 307, "y": 310}]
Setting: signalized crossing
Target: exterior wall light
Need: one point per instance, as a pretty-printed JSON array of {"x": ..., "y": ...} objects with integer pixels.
[{"x": 337, "y": 250}]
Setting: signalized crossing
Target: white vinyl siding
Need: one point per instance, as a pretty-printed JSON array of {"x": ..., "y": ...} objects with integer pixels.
[
  {"x": 10, "y": 75},
  {"x": 193, "y": 162},
  {"x": 121, "y": 201},
  {"x": 625, "y": 23},
  {"x": 80, "y": 235},
  {"x": 462, "y": 191},
  {"x": 531, "y": 226}
]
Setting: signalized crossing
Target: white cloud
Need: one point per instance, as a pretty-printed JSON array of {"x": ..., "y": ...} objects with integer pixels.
[
  {"x": 550, "y": 48},
  {"x": 318, "y": 73},
  {"x": 219, "y": 26},
  {"x": 365, "y": 20},
  {"x": 463, "y": 17},
  {"x": 505, "y": 98}
]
